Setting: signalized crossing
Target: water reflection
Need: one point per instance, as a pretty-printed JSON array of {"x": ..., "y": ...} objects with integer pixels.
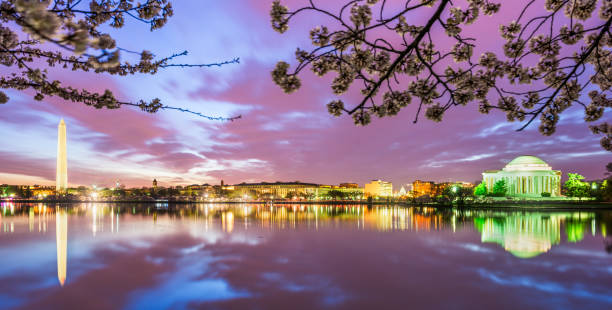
[
  {"x": 524, "y": 234},
  {"x": 61, "y": 236},
  {"x": 229, "y": 256}
]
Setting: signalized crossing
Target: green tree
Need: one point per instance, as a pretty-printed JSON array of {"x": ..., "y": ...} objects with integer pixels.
[
  {"x": 500, "y": 188},
  {"x": 481, "y": 189},
  {"x": 336, "y": 194},
  {"x": 606, "y": 185},
  {"x": 161, "y": 192},
  {"x": 28, "y": 192},
  {"x": 575, "y": 187},
  {"x": 353, "y": 194},
  {"x": 456, "y": 193},
  {"x": 606, "y": 190}
]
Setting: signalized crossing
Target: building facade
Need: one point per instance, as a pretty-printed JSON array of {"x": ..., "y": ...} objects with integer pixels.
[
  {"x": 378, "y": 188},
  {"x": 348, "y": 192},
  {"x": 526, "y": 176},
  {"x": 282, "y": 190},
  {"x": 422, "y": 188},
  {"x": 428, "y": 188},
  {"x": 276, "y": 190}
]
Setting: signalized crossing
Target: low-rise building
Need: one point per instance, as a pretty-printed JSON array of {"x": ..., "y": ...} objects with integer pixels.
[
  {"x": 276, "y": 190},
  {"x": 423, "y": 188},
  {"x": 337, "y": 192},
  {"x": 378, "y": 188}
]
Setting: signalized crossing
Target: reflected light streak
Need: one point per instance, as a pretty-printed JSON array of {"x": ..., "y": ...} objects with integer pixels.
[{"x": 61, "y": 234}]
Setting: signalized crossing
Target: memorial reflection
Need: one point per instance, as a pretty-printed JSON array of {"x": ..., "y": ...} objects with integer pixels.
[
  {"x": 524, "y": 234},
  {"x": 529, "y": 235}
]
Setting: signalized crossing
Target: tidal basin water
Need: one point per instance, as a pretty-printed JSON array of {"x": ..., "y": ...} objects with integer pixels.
[{"x": 212, "y": 256}]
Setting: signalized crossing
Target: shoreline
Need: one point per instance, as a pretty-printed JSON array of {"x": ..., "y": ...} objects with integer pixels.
[{"x": 516, "y": 205}]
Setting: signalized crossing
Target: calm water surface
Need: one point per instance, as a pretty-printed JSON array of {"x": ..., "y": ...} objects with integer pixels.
[{"x": 105, "y": 256}]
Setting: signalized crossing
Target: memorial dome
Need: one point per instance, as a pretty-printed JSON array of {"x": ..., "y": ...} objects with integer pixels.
[{"x": 527, "y": 162}]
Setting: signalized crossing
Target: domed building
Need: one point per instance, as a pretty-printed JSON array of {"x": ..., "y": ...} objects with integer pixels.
[{"x": 526, "y": 176}]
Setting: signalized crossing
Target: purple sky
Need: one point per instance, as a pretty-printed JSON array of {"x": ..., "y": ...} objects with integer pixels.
[{"x": 280, "y": 137}]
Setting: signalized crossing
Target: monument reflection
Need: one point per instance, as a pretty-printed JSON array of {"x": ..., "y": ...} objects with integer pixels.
[
  {"x": 132, "y": 256},
  {"x": 61, "y": 233},
  {"x": 523, "y": 234}
]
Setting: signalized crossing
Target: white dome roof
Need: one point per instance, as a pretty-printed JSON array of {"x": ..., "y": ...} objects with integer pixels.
[{"x": 527, "y": 163}]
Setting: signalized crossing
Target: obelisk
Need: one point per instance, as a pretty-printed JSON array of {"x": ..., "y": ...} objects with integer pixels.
[{"x": 61, "y": 180}]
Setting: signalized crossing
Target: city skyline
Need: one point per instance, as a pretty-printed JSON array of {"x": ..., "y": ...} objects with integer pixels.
[
  {"x": 280, "y": 137},
  {"x": 61, "y": 181}
]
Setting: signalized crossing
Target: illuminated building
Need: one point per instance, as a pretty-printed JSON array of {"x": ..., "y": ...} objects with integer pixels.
[
  {"x": 276, "y": 190},
  {"x": 61, "y": 180},
  {"x": 42, "y": 191},
  {"x": 423, "y": 188},
  {"x": 432, "y": 189},
  {"x": 526, "y": 176},
  {"x": 61, "y": 235},
  {"x": 378, "y": 188},
  {"x": 351, "y": 192},
  {"x": 192, "y": 190},
  {"x": 292, "y": 190},
  {"x": 402, "y": 192}
]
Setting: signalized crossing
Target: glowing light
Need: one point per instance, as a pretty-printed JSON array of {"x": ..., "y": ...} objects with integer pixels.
[
  {"x": 61, "y": 234},
  {"x": 61, "y": 180}
]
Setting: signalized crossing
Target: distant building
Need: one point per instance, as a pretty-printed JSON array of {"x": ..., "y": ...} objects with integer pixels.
[
  {"x": 402, "y": 192},
  {"x": 526, "y": 176},
  {"x": 275, "y": 190},
  {"x": 349, "y": 192},
  {"x": 41, "y": 191},
  {"x": 433, "y": 189},
  {"x": 423, "y": 188},
  {"x": 378, "y": 188},
  {"x": 524, "y": 236}
]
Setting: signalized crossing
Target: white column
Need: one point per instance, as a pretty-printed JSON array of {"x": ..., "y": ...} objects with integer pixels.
[{"x": 61, "y": 180}]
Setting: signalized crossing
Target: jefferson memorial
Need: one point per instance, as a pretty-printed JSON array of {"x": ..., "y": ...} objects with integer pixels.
[{"x": 526, "y": 176}]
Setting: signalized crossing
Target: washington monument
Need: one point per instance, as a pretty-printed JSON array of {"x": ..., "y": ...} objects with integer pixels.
[{"x": 61, "y": 180}]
